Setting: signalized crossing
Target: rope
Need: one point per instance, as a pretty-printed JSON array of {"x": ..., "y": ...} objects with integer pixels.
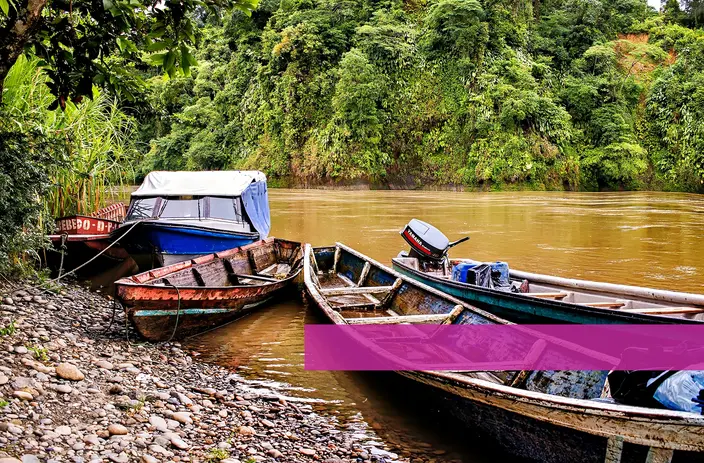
[
  {"x": 178, "y": 310},
  {"x": 94, "y": 257},
  {"x": 114, "y": 304},
  {"x": 56, "y": 280},
  {"x": 64, "y": 237}
]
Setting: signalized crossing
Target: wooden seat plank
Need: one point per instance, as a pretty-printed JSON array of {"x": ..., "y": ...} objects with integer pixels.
[
  {"x": 609, "y": 305},
  {"x": 354, "y": 290},
  {"x": 254, "y": 277},
  {"x": 548, "y": 295},
  {"x": 354, "y": 306}
]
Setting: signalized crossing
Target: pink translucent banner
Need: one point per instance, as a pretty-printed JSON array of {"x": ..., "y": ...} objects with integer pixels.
[{"x": 504, "y": 347}]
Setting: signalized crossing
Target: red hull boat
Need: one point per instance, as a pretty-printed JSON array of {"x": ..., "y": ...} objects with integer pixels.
[{"x": 192, "y": 297}]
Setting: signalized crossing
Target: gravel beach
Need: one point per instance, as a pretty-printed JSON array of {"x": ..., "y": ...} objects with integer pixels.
[{"x": 76, "y": 385}]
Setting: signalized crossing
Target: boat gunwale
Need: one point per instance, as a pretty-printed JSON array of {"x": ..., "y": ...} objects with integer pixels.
[
  {"x": 595, "y": 311},
  {"x": 625, "y": 414},
  {"x": 164, "y": 272},
  {"x": 263, "y": 284}
]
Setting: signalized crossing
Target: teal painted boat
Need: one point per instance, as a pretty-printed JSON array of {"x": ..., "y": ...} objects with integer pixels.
[{"x": 535, "y": 298}]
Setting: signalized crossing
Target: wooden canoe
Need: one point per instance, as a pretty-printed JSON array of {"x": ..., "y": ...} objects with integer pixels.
[
  {"x": 552, "y": 299},
  {"x": 195, "y": 296},
  {"x": 565, "y": 425}
]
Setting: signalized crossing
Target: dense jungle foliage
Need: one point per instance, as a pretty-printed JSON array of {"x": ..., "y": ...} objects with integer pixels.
[{"x": 491, "y": 94}]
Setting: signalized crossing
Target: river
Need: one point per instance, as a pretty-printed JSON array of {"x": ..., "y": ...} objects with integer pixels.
[{"x": 645, "y": 239}]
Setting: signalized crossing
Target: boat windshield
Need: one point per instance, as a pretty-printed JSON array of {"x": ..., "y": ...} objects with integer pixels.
[
  {"x": 209, "y": 207},
  {"x": 142, "y": 208},
  {"x": 182, "y": 209},
  {"x": 225, "y": 209}
]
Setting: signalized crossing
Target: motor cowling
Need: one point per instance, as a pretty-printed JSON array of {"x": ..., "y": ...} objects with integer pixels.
[{"x": 425, "y": 240}]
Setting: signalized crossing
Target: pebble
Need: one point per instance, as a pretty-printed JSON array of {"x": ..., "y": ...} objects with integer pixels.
[
  {"x": 274, "y": 453},
  {"x": 22, "y": 395},
  {"x": 102, "y": 399},
  {"x": 182, "y": 417},
  {"x": 158, "y": 422},
  {"x": 119, "y": 458},
  {"x": 9, "y": 460},
  {"x": 62, "y": 388},
  {"x": 63, "y": 431},
  {"x": 7, "y": 308},
  {"x": 268, "y": 424},
  {"x": 178, "y": 443},
  {"x": 91, "y": 439},
  {"x": 246, "y": 430},
  {"x": 116, "y": 429},
  {"x": 158, "y": 449},
  {"x": 104, "y": 364},
  {"x": 69, "y": 371}
]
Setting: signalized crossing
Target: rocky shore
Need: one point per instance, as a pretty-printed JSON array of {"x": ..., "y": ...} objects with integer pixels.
[{"x": 76, "y": 385}]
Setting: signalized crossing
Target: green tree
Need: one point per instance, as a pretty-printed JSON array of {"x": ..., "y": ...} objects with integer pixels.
[{"x": 78, "y": 39}]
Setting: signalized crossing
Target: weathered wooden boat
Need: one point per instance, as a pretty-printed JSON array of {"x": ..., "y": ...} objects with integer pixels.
[
  {"x": 536, "y": 298},
  {"x": 177, "y": 216},
  {"x": 82, "y": 238},
  {"x": 191, "y": 297},
  {"x": 551, "y": 416}
]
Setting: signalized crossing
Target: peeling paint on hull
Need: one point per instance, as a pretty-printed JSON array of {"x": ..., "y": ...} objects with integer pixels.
[{"x": 159, "y": 325}]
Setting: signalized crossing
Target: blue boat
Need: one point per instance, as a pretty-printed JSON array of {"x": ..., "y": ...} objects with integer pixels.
[{"x": 177, "y": 216}]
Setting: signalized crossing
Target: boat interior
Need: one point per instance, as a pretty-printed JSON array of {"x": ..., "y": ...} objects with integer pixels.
[
  {"x": 585, "y": 296},
  {"x": 364, "y": 293},
  {"x": 273, "y": 261}
]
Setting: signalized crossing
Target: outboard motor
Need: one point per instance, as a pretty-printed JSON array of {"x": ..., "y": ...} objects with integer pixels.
[{"x": 429, "y": 245}]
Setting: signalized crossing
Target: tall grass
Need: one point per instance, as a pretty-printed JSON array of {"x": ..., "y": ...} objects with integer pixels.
[
  {"x": 96, "y": 139},
  {"x": 99, "y": 151}
]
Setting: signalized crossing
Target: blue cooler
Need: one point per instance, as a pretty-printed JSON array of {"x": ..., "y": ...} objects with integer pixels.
[{"x": 459, "y": 271}]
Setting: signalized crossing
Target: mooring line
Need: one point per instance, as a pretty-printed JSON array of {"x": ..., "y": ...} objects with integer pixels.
[
  {"x": 178, "y": 310},
  {"x": 96, "y": 256}
]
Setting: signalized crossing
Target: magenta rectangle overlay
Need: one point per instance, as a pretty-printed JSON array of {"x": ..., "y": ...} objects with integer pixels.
[{"x": 504, "y": 347}]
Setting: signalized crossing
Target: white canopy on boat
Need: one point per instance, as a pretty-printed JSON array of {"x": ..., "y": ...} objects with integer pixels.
[{"x": 206, "y": 183}]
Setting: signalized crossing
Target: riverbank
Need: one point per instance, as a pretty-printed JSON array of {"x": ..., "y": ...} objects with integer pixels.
[{"x": 76, "y": 385}]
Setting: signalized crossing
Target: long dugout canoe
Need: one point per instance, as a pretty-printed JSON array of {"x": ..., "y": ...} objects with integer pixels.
[{"x": 552, "y": 416}]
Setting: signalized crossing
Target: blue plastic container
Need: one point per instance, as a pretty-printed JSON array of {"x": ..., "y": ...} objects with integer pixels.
[{"x": 459, "y": 271}]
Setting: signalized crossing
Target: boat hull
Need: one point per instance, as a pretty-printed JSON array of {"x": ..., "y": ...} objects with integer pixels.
[
  {"x": 163, "y": 325},
  {"x": 80, "y": 249},
  {"x": 520, "y": 308},
  {"x": 154, "y": 244},
  {"x": 162, "y": 305}
]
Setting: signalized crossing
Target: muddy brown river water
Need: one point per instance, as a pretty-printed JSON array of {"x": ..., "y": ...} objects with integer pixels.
[{"x": 645, "y": 239}]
